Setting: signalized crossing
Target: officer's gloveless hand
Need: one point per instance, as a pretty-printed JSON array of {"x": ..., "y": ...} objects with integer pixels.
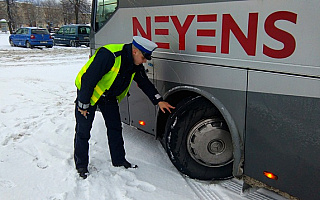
[{"x": 165, "y": 105}]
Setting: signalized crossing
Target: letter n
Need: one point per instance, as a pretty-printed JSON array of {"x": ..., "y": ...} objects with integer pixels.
[
  {"x": 137, "y": 27},
  {"x": 248, "y": 43}
]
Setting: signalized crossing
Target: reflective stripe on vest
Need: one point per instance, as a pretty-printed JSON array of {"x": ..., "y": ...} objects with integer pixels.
[{"x": 107, "y": 80}]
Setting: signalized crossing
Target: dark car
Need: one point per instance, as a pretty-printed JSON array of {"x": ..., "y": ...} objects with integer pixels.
[
  {"x": 72, "y": 35},
  {"x": 30, "y": 37}
]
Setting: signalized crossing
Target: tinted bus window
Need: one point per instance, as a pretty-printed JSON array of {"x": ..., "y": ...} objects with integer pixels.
[{"x": 105, "y": 8}]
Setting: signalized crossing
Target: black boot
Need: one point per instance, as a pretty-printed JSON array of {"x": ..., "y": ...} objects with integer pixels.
[
  {"x": 126, "y": 165},
  {"x": 83, "y": 172}
]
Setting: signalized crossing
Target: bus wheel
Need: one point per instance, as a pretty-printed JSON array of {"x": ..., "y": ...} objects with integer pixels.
[{"x": 198, "y": 140}]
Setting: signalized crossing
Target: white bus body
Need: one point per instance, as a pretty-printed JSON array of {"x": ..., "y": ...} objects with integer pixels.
[{"x": 245, "y": 78}]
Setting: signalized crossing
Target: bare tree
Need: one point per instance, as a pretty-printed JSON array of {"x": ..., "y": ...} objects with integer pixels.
[
  {"x": 30, "y": 12},
  {"x": 85, "y": 11},
  {"x": 67, "y": 11},
  {"x": 52, "y": 14},
  {"x": 77, "y": 8},
  {"x": 49, "y": 13},
  {"x": 11, "y": 23},
  {"x": 76, "y": 4}
]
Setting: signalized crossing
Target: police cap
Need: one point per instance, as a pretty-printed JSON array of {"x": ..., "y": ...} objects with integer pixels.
[{"x": 145, "y": 46}]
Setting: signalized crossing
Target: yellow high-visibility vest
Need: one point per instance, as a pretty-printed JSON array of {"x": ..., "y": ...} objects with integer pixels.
[{"x": 107, "y": 80}]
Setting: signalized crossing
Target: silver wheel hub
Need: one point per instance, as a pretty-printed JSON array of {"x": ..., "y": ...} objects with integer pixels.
[
  {"x": 216, "y": 146},
  {"x": 209, "y": 144}
]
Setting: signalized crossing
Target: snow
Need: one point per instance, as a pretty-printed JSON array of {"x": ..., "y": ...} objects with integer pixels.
[{"x": 37, "y": 129}]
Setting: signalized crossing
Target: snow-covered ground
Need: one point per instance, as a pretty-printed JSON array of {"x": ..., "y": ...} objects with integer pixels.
[{"x": 36, "y": 139}]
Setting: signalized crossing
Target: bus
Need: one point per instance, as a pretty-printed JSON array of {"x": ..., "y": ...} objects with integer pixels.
[{"x": 244, "y": 76}]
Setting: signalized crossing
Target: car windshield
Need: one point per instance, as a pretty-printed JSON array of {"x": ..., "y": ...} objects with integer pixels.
[{"x": 39, "y": 31}]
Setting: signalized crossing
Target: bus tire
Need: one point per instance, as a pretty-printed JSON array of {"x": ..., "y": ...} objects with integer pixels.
[{"x": 198, "y": 141}]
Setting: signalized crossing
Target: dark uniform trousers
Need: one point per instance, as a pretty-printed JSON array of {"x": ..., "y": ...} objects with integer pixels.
[{"x": 110, "y": 110}]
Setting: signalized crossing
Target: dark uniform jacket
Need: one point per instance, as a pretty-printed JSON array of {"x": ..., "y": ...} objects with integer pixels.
[{"x": 102, "y": 64}]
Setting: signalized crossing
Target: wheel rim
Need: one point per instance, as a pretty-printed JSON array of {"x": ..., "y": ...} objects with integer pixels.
[
  {"x": 11, "y": 43},
  {"x": 209, "y": 144},
  {"x": 28, "y": 45}
]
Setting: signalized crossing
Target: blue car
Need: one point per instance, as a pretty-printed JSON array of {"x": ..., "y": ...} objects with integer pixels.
[{"x": 30, "y": 37}]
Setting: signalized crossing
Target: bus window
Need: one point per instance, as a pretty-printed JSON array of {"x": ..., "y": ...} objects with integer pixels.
[{"x": 105, "y": 8}]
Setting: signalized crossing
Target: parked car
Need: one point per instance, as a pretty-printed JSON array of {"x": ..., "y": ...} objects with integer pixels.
[
  {"x": 72, "y": 35},
  {"x": 30, "y": 37}
]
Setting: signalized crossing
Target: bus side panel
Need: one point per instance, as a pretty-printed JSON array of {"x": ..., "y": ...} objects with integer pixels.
[
  {"x": 227, "y": 85},
  {"x": 141, "y": 110},
  {"x": 124, "y": 110},
  {"x": 283, "y": 132}
]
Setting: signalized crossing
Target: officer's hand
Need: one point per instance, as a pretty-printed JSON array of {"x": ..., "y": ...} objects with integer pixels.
[
  {"x": 165, "y": 105},
  {"x": 83, "y": 112}
]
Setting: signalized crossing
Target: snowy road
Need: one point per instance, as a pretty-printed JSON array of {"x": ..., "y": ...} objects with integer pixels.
[{"x": 36, "y": 141}]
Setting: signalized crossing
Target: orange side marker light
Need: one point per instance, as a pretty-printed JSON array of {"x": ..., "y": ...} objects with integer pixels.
[
  {"x": 270, "y": 175},
  {"x": 142, "y": 123}
]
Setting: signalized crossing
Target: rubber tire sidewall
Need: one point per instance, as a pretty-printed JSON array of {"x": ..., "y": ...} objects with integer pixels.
[{"x": 189, "y": 112}]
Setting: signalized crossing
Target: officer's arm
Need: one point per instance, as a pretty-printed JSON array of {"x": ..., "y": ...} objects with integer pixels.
[
  {"x": 101, "y": 64},
  {"x": 148, "y": 88}
]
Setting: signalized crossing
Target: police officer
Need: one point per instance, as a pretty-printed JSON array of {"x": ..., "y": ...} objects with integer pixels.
[{"x": 104, "y": 81}]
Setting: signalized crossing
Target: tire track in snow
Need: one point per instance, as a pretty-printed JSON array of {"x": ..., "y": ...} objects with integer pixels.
[{"x": 203, "y": 193}]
